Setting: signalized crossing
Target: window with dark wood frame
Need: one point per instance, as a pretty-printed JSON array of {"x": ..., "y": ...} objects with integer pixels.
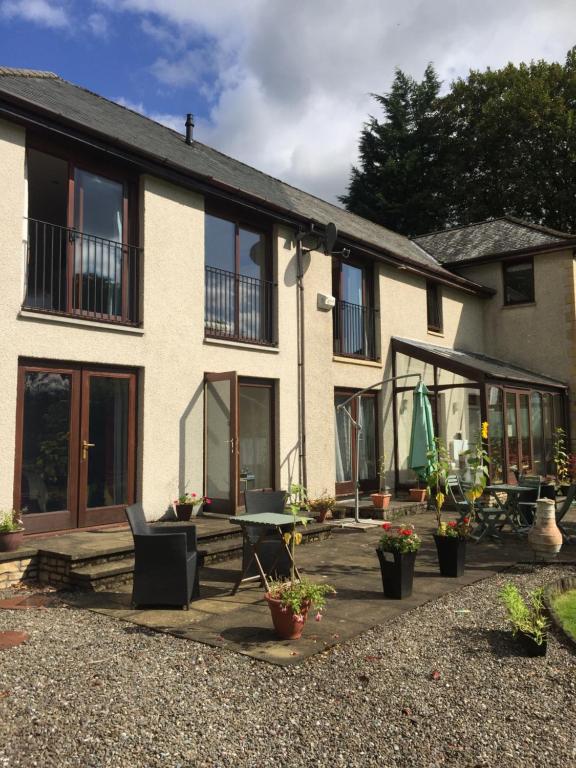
[
  {"x": 354, "y": 316},
  {"x": 239, "y": 290},
  {"x": 518, "y": 279},
  {"x": 434, "y": 306},
  {"x": 345, "y": 442},
  {"x": 82, "y": 228}
]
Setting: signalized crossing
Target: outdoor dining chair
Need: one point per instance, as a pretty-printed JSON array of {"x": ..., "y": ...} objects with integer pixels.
[
  {"x": 270, "y": 550},
  {"x": 165, "y": 562},
  {"x": 457, "y": 496},
  {"x": 526, "y": 500}
]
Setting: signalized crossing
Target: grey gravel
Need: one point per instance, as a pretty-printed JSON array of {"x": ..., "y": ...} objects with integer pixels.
[{"x": 87, "y": 691}]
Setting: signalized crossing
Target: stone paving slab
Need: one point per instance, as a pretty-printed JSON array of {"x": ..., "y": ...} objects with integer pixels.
[{"x": 242, "y": 622}]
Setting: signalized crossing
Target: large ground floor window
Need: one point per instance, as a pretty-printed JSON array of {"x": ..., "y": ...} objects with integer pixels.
[
  {"x": 75, "y": 445},
  {"x": 363, "y": 411}
]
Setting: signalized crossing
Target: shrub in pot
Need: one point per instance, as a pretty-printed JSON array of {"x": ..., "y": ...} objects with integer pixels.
[
  {"x": 527, "y": 618},
  {"x": 320, "y": 507},
  {"x": 381, "y": 500},
  {"x": 11, "y": 530},
  {"x": 185, "y": 506},
  {"x": 397, "y": 554}
]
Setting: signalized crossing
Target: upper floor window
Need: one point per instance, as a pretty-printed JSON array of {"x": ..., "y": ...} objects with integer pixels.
[
  {"x": 79, "y": 257},
  {"x": 354, "y": 315},
  {"x": 434, "y": 307},
  {"x": 239, "y": 289},
  {"x": 518, "y": 282}
]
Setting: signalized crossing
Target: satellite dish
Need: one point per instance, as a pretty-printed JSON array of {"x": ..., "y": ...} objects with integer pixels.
[{"x": 331, "y": 237}]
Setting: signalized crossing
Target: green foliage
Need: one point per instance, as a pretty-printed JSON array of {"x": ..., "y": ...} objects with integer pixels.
[
  {"x": 399, "y": 539},
  {"x": 295, "y": 595},
  {"x": 382, "y": 474},
  {"x": 525, "y": 616},
  {"x": 455, "y": 530},
  {"x": 437, "y": 474},
  {"x": 436, "y": 161},
  {"x": 565, "y": 607},
  {"x": 478, "y": 461},
  {"x": 10, "y": 520},
  {"x": 561, "y": 458}
]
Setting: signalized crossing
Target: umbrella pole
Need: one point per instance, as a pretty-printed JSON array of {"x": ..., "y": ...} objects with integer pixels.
[{"x": 357, "y": 484}]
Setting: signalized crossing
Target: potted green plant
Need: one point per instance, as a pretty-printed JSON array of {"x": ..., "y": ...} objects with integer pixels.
[
  {"x": 561, "y": 460},
  {"x": 320, "y": 507},
  {"x": 528, "y": 619},
  {"x": 381, "y": 500},
  {"x": 185, "y": 506},
  {"x": 290, "y": 601},
  {"x": 397, "y": 554},
  {"x": 11, "y": 530},
  {"x": 450, "y": 537}
]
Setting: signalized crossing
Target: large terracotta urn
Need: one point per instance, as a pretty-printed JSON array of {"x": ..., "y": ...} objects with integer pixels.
[{"x": 545, "y": 538}]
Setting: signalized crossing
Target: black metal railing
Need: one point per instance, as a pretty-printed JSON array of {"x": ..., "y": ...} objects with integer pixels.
[
  {"x": 238, "y": 307},
  {"x": 354, "y": 330},
  {"x": 73, "y": 273}
]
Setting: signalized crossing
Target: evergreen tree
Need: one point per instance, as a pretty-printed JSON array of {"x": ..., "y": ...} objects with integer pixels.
[{"x": 500, "y": 142}]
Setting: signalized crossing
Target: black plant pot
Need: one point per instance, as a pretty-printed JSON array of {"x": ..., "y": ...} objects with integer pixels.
[
  {"x": 530, "y": 647},
  {"x": 397, "y": 573},
  {"x": 451, "y": 555}
]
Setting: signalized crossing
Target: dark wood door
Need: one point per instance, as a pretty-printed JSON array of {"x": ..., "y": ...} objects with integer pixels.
[{"x": 64, "y": 412}]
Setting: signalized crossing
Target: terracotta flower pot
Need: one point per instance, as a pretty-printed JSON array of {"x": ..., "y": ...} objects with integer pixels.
[
  {"x": 9, "y": 542},
  {"x": 418, "y": 494},
  {"x": 381, "y": 500},
  {"x": 545, "y": 538},
  {"x": 287, "y": 625}
]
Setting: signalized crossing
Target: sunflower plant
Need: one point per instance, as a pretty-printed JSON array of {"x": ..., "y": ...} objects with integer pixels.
[
  {"x": 478, "y": 462},
  {"x": 299, "y": 595}
]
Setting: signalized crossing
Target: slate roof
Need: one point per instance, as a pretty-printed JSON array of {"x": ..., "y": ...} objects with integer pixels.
[
  {"x": 93, "y": 114},
  {"x": 486, "y": 367},
  {"x": 488, "y": 238}
]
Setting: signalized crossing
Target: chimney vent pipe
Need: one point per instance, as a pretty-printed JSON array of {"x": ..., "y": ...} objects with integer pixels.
[{"x": 189, "y": 127}]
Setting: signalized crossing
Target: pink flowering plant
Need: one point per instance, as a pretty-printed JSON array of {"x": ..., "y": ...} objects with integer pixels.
[
  {"x": 455, "y": 530},
  {"x": 193, "y": 499},
  {"x": 399, "y": 539}
]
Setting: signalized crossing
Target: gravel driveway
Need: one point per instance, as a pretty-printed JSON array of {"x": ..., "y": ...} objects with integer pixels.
[{"x": 87, "y": 692}]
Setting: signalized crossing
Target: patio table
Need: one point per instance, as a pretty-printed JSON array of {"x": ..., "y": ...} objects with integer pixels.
[
  {"x": 266, "y": 521},
  {"x": 493, "y": 519}
]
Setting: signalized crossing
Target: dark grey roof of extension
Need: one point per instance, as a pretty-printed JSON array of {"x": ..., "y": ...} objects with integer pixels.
[
  {"x": 488, "y": 238},
  {"x": 485, "y": 367},
  {"x": 95, "y": 115}
]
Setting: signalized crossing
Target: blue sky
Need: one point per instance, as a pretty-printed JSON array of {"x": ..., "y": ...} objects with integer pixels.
[{"x": 283, "y": 86}]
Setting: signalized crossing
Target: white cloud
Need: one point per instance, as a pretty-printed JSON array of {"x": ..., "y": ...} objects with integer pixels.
[
  {"x": 290, "y": 83},
  {"x": 38, "y": 11},
  {"x": 98, "y": 25}
]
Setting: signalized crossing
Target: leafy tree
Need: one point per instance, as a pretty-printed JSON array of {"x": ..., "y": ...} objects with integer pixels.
[{"x": 499, "y": 142}]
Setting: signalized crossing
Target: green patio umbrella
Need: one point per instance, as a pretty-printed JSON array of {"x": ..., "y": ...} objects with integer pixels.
[{"x": 422, "y": 437}]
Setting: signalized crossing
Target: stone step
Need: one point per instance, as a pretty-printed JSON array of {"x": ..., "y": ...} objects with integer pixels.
[{"x": 97, "y": 574}]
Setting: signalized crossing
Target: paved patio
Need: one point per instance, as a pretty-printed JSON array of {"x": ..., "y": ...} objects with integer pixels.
[{"x": 242, "y": 622}]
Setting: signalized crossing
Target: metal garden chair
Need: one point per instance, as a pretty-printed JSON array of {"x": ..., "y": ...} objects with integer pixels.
[{"x": 271, "y": 551}]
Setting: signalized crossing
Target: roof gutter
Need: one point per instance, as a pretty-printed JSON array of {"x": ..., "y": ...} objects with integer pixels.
[
  {"x": 30, "y": 115},
  {"x": 510, "y": 255}
]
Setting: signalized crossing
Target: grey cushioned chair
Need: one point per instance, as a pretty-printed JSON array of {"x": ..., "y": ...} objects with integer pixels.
[
  {"x": 165, "y": 562},
  {"x": 271, "y": 551}
]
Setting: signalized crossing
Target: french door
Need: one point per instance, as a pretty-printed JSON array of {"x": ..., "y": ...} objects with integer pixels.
[
  {"x": 238, "y": 438},
  {"x": 75, "y": 445}
]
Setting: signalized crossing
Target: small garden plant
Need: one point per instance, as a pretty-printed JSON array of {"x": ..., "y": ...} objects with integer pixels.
[
  {"x": 561, "y": 458},
  {"x": 10, "y": 521},
  {"x": 399, "y": 539},
  {"x": 526, "y": 616}
]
